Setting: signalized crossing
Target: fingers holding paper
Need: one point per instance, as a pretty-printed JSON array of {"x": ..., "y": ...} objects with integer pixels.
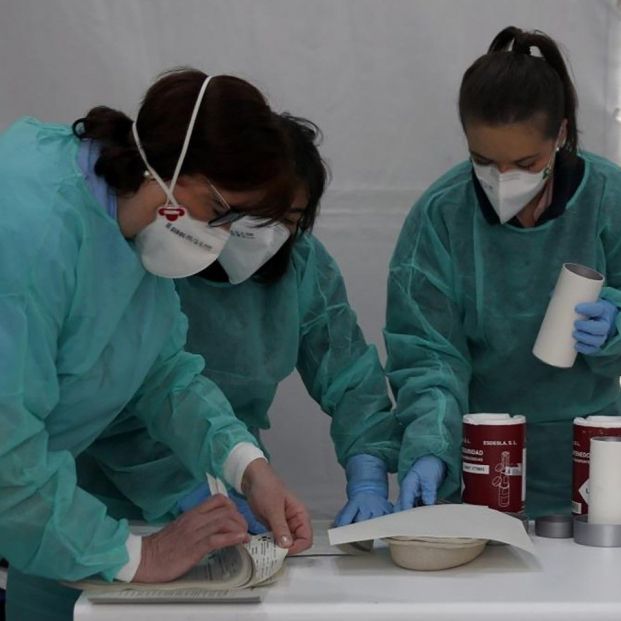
[
  {"x": 277, "y": 507},
  {"x": 174, "y": 550}
]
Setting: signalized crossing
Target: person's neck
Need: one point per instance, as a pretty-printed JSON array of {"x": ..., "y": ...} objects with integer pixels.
[
  {"x": 135, "y": 211},
  {"x": 214, "y": 273},
  {"x": 526, "y": 217}
]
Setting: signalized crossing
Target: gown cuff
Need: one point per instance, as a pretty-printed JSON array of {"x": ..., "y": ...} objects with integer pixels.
[
  {"x": 237, "y": 462},
  {"x": 134, "y": 551}
]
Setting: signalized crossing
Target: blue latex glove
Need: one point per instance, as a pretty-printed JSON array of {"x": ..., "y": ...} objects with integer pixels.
[
  {"x": 421, "y": 483},
  {"x": 367, "y": 490},
  {"x": 600, "y": 324},
  {"x": 202, "y": 493}
]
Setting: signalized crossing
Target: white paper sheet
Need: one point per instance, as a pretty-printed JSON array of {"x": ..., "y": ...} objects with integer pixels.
[
  {"x": 222, "y": 566},
  {"x": 267, "y": 557},
  {"x": 439, "y": 521}
]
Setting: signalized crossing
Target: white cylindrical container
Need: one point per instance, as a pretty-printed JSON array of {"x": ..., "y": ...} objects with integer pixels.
[
  {"x": 605, "y": 480},
  {"x": 584, "y": 430},
  {"x": 555, "y": 343}
]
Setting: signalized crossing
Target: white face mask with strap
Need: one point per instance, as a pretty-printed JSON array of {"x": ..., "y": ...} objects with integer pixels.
[
  {"x": 175, "y": 244},
  {"x": 251, "y": 244},
  {"x": 511, "y": 191}
]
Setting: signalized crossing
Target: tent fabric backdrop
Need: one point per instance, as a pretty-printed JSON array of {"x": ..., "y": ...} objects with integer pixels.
[{"x": 379, "y": 77}]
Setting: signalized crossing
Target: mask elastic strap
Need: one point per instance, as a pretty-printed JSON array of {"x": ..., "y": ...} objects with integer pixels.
[
  {"x": 168, "y": 190},
  {"x": 158, "y": 179},
  {"x": 188, "y": 134}
]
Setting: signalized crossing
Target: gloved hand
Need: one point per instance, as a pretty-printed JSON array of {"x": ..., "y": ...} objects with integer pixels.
[
  {"x": 367, "y": 490},
  {"x": 591, "y": 333},
  {"x": 421, "y": 482},
  {"x": 201, "y": 493}
]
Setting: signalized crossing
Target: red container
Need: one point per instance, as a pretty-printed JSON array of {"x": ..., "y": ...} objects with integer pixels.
[
  {"x": 584, "y": 430},
  {"x": 494, "y": 461}
]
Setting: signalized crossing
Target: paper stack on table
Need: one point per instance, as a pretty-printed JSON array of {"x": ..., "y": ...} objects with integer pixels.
[{"x": 219, "y": 577}]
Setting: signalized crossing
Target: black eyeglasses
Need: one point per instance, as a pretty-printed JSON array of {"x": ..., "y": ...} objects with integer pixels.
[
  {"x": 228, "y": 218},
  {"x": 231, "y": 215}
]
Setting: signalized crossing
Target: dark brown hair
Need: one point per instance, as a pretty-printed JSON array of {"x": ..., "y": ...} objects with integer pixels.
[
  {"x": 512, "y": 84},
  {"x": 313, "y": 173},
  {"x": 236, "y": 143}
]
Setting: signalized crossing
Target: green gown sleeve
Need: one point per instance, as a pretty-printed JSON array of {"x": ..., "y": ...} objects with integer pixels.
[
  {"x": 607, "y": 361},
  {"x": 49, "y": 526},
  {"x": 428, "y": 363},
  {"x": 140, "y": 470},
  {"x": 341, "y": 372},
  {"x": 186, "y": 411},
  {"x": 167, "y": 440}
]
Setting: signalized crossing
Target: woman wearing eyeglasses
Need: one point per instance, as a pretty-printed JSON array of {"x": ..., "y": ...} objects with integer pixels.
[
  {"x": 273, "y": 302},
  {"x": 97, "y": 221}
]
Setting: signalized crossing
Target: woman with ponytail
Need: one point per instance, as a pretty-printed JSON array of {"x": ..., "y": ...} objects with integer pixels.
[
  {"x": 474, "y": 267},
  {"x": 98, "y": 219}
]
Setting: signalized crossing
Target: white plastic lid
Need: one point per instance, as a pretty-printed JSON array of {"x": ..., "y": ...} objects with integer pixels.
[
  {"x": 599, "y": 421},
  {"x": 493, "y": 419}
]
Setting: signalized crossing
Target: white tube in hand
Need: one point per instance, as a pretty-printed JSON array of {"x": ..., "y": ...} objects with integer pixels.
[{"x": 555, "y": 344}]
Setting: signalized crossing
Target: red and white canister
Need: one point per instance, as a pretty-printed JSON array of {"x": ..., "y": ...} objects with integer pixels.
[
  {"x": 585, "y": 429},
  {"x": 494, "y": 461}
]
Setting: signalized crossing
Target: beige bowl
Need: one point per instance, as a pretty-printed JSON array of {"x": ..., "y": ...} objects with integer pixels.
[{"x": 433, "y": 553}]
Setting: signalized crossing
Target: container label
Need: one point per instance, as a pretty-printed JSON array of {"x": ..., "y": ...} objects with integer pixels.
[
  {"x": 493, "y": 466},
  {"x": 475, "y": 468}
]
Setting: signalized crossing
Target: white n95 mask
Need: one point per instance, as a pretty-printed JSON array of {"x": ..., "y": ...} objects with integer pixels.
[
  {"x": 175, "y": 244},
  {"x": 250, "y": 246},
  {"x": 510, "y": 192}
]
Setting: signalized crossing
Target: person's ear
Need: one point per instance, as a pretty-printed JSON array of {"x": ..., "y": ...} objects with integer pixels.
[{"x": 562, "y": 135}]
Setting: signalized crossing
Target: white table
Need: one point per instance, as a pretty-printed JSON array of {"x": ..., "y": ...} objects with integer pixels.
[{"x": 570, "y": 582}]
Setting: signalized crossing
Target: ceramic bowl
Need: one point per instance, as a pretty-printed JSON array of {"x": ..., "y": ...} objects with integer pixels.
[{"x": 434, "y": 553}]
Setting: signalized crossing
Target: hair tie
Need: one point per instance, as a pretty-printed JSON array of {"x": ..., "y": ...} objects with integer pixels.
[{"x": 534, "y": 50}]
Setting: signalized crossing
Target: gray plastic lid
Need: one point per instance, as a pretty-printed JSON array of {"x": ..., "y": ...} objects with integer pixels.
[
  {"x": 555, "y": 526},
  {"x": 599, "y": 535}
]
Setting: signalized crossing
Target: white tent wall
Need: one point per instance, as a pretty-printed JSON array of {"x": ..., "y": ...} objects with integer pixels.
[{"x": 379, "y": 77}]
